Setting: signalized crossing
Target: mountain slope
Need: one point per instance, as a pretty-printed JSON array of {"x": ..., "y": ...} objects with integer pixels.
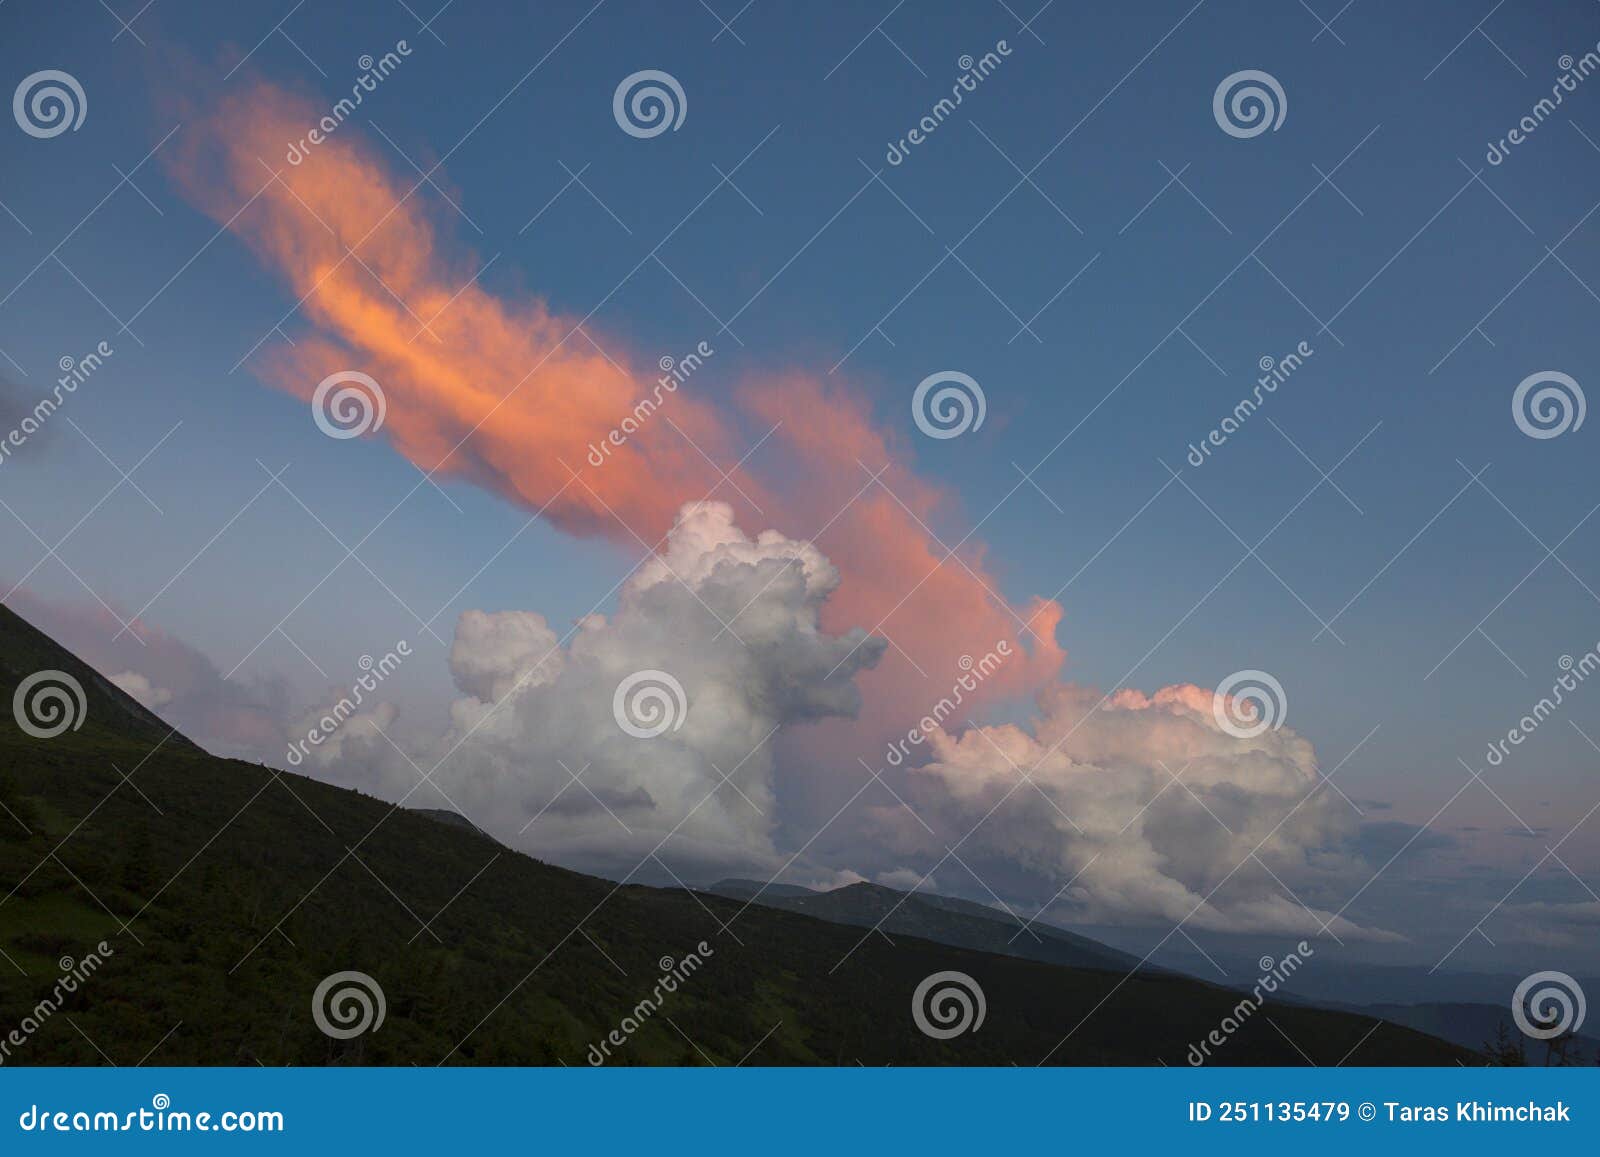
[
  {"x": 1475, "y": 1025},
  {"x": 118, "y": 720},
  {"x": 942, "y": 919},
  {"x": 454, "y": 819},
  {"x": 225, "y": 892}
]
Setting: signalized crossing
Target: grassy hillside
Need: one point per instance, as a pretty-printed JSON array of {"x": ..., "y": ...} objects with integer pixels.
[{"x": 227, "y": 891}]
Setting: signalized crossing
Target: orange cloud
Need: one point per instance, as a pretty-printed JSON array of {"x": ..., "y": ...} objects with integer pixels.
[
  {"x": 502, "y": 393},
  {"x": 900, "y": 580},
  {"x": 510, "y": 396}
]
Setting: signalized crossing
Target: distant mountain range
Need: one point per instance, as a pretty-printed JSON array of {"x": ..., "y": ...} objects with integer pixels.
[
  {"x": 1332, "y": 978},
  {"x": 1474, "y": 1025},
  {"x": 227, "y": 893}
]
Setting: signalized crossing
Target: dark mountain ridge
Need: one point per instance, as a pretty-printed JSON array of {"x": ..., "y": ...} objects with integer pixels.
[{"x": 942, "y": 919}]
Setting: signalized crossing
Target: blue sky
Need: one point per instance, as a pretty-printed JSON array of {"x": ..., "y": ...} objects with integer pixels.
[{"x": 1369, "y": 226}]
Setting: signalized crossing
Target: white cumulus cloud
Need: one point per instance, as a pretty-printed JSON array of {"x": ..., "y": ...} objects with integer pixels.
[
  {"x": 1142, "y": 808},
  {"x": 534, "y": 753}
]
